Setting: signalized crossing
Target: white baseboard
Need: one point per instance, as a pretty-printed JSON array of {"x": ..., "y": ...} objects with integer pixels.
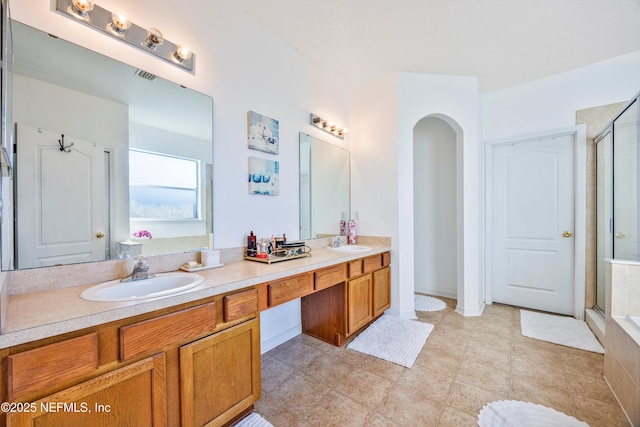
[
  {"x": 470, "y": 311},
  {"x": 282, "y": 337},
  {"x": 436, "y": 292},
  {"x": 403, "y": 314}
]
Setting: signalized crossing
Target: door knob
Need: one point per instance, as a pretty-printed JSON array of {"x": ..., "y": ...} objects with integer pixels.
[
  {"x": 620, "y": 236},
  {"x": 566, "y": 234},
  {"x": 100, "y": 235}
]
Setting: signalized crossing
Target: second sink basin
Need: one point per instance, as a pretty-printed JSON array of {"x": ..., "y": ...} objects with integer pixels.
[
  {"x": 163, "y": 284},
  {"x": 350, "y": 248}
]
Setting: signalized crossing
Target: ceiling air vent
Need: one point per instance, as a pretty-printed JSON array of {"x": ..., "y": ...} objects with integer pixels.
[{"x": 146, "y": 75}]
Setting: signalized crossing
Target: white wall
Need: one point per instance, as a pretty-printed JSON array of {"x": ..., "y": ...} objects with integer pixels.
[
  {"x": 552, "y": 102},
  {"x": 374, "y": 172},
  {"x": 63, "y": 110},
  {"x": 434, "y": 190},
  {"x": 382, "y": 115}
]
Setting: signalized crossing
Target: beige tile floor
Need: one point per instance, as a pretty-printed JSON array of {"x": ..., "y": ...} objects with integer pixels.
[{"x": 465, "y": 364}]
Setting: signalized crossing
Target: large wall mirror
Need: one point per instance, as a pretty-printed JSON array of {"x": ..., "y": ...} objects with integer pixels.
[
  {"x": 107, "y": 161},
  {"x": 324, "y": 187}
]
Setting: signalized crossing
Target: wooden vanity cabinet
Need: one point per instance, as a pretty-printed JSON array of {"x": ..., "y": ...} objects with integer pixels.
[
  {"x": 135, "y": 395},
  {"x": 359, "y": 306},
  {"x": 193, "y": 364},
  {"x": 334, "y": 313},
  {"x": 381, "y": 290},
  {"x": 220, "y": 375}
]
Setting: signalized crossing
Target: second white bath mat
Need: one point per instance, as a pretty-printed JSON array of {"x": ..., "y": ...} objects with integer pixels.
[
  {"x": 425, "y": 303},
  {"x": 561, "y": 330},
  {"x": 393, "y": 339}
]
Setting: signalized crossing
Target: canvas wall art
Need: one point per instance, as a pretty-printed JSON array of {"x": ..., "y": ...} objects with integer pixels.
[
  {"x": 264, "y": 134},
  {"x": 264, "y": 176}
]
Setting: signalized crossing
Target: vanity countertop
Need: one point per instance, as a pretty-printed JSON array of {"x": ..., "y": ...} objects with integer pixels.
[{"x": 37, "y": 315}]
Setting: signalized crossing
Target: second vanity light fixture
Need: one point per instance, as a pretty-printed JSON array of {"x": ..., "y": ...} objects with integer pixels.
[
  {"x": 327, "y": 126},
  {"x": 117, "y": 25}
]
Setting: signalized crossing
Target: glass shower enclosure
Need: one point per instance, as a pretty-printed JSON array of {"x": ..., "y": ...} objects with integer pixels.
[{"x": 617, "y": 184}]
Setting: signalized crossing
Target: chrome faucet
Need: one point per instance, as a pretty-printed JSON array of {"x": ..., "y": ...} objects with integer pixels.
[
  {"x": 140, "y": 271},
  {"x": 336, "y": 242}
]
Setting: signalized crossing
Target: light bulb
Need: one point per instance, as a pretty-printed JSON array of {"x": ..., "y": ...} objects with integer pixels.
[
  {"x": 154, "y": 38},
  {"x": 119, "y": 22},
  {"x": 81, "y": 8},
  {"x": 182, "y": 53}
]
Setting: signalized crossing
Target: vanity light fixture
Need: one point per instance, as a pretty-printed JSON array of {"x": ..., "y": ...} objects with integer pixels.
[
  {"x": 327, "y": 126},
  {"x": 117, "y": 25}
]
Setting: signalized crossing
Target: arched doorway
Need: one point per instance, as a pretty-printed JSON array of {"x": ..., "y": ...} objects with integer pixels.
[{"x": 436, "y": 207}]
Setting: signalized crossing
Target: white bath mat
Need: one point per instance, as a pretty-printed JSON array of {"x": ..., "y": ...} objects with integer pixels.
[
  {"x": 393, "y": 339},
  {"x": 559, "y": 330},
  {"x": 253, "y": 420},
  {"x": 512, "y": 413},
  {"x": 425, "y": 303}
]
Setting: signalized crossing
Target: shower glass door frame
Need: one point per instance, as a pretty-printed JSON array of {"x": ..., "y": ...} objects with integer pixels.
[{"x": 617, "y": 193}]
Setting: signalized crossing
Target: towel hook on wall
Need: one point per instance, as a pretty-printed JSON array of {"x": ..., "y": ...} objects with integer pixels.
[{"x": 64, "y": 148}]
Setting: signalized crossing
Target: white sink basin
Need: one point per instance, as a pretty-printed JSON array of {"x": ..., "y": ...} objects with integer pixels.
[
  {"x": 350, "y": 248},
  {"x": 161, "y": 285}
]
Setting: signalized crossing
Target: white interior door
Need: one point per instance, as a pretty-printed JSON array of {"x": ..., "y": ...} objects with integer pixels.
[
  {"x": 532, "y": 187},
  {"x": 60, "y": 199}
]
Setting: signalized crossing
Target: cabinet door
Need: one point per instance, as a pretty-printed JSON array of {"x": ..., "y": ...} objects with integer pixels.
[
  {"x": 221, "y": 373},
  {"x": 134, "y": 395},
  {"x": 359, "y": 307},
  {"x": 381, "y": 291}
]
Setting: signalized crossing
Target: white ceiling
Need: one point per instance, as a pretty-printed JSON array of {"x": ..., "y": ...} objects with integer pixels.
[{"x": 504, "y": 42}]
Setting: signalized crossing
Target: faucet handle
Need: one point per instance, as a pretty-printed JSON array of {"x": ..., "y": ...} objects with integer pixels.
[{"x": 141, "y": 260}]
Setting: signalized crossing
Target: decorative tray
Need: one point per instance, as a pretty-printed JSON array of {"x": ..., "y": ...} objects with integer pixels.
[{"x": 282, "y": 254}]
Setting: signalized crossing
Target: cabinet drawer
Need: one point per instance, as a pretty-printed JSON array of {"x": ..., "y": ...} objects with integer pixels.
[
  {"x": 329, "y": 276},
  {"x": 152, "y": 335},
  {"x": 355, "y": 268},
  {"x": 46, "y": 366},
  {"x": 289, "y": 289},
  {"x": 372, "y": 263},
  {"x": 240, "y": 305}
]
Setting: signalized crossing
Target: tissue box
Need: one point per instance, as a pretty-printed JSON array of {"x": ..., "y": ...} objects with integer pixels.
[{"x": 209, "y": 258}]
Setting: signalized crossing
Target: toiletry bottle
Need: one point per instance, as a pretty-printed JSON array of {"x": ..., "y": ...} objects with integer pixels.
[
  {"x": 252, "y": 245},
  {"x": 343, "y": 225},
  {"x": 352, "y": 232}
]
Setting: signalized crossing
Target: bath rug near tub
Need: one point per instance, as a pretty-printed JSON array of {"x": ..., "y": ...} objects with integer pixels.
[
  {"x": 393, "y": 339},
  {"x": 253, "y": 420},
  {"x": 561, "y": 330},
  {"x": 513, "y": 413},
  {"x": 425, "y": 303}
]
